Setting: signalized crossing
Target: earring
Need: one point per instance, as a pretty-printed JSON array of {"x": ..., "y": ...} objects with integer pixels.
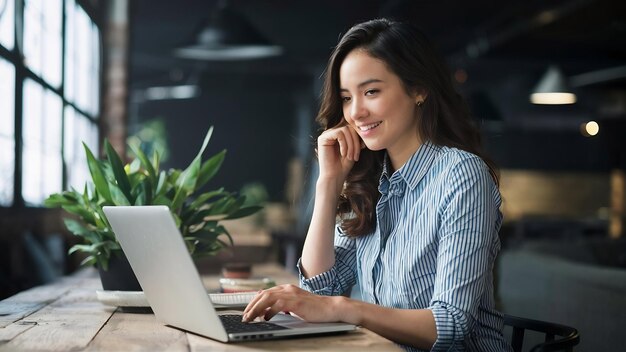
[{"x": 419, "y": 103}]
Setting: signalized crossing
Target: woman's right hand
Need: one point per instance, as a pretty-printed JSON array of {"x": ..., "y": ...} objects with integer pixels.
[{"x": 337, "y": 150}]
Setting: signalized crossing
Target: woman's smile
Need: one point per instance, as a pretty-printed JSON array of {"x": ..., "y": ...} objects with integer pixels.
[{"x": 367, "y": 130}]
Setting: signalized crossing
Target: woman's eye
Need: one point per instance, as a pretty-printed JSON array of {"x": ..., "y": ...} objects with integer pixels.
[
  {"x": 345, "y": 99},
  {"x": 371, "y": 91}
]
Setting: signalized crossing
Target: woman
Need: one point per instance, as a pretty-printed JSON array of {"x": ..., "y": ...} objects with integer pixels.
[{"x": 405, "y": 204}]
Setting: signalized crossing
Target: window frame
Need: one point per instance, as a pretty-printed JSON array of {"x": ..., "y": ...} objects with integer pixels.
[{"x": 14, "y": 57}]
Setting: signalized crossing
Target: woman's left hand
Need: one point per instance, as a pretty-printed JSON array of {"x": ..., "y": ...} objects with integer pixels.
[{"x": 289, "y": 298}]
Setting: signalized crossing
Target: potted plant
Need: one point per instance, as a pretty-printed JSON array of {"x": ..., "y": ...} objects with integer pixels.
[{"x": 141, "y": 182}]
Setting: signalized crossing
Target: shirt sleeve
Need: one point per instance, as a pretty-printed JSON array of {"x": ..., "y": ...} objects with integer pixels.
[
  {"x": 341, "y": 277},
  {"x": 470, "y": 219}
]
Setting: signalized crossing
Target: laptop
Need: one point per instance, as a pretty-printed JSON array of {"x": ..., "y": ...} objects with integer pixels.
[{"x": 171, "y": 283}]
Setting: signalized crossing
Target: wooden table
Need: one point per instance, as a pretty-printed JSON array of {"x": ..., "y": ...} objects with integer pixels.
[{"x": 66, "y": 315}]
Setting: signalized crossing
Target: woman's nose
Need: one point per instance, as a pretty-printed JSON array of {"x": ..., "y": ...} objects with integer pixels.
[{"x": 357, "y": 110}]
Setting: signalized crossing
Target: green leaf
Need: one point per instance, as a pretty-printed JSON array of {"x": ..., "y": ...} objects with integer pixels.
[
  {"x": 186, "y": 184},
  {"x": 172, "y": 176},
  {"x": 112, "y": 246},
  {"x": 82, "y": 212},
  {"x": 223, "y": 206},
  {"x": 208, "y": 227},
  {"x": 176, "y": 219},
  {"x": 205, "y": 197},
  {"x": 118, "y": 196},
  {"x": 101, "y": 220},
  {"x": 108, "y": 171},
  {"x": 144, "y": 193},
  {"x": 85, "y": 195},
  {"x": 144, "y": 161},
  {"x": 118, "y": 171},
  {"x": 97, "y": 175},
  {"x": 72, "y": 195},
  {"x": 236, "y": 205},
  {"x": 191, "y": 246},
  {"x": 134, "y": 167},
  {"x": 76, "y": 227},
  {"x": 90, "y": 260},
  {"x": 87, "y": 248},
  {"x": 94, "y": 237},
  {"x": 161, "y": 184},
  {"x": 243, "y": 212},
  {"x": 135, "y": 180},
  {"x": 162, "y": 200},
  {"x": 78, "y": 247},
  {"x": 223, "y": 230},
  {"x": 197, "y": 217},
  {"x": 210, "y": 168},
  {"x": 205, "y": 142},
  {"x": 58, "y": 200},
  {"x": 102, "y": 262},
  {"x": 156, "y": 160},
  {"x": 140, "y": 199}
]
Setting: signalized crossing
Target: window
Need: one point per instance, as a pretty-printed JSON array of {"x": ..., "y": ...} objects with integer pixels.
[
  {"x": 42, "y": 171},
  {"x": 42, "y": 39},
  {"x": 7, "y": 132},
  {"x": 82, "y": 55},
  {"x": 7, "y": 25},
  {"x": 59, "y": 92},
  {"x": 78, "y": 129}
]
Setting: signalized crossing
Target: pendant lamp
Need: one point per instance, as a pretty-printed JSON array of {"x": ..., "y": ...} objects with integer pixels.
[
  {"x": 553, "y": 89},
  {"x": 225, "y": 36}
]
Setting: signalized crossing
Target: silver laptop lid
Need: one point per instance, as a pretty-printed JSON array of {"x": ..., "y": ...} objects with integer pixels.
[{"x": 158, "y": 255}]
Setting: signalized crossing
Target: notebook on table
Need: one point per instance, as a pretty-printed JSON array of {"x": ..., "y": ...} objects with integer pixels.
[
  {"x": 172, "y": 286},
  {"x": 137, "y": 299}
]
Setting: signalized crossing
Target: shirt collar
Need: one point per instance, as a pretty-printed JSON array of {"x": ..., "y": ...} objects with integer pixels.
[{"x": 415, "y": 168}]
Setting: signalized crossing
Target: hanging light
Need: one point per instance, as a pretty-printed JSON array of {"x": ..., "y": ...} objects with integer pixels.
[
  {"x": 228, "y": 36},
  {"x": 553, "y": 89}
]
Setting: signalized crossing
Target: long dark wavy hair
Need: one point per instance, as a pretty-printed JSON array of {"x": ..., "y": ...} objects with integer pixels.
[{"x": 444, "y": 118}]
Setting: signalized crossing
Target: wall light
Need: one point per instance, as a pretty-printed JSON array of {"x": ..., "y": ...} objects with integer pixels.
[{"x": 589, "y": 129}]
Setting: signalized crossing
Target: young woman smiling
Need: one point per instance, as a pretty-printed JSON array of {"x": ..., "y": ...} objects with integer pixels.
[{"x": 406, "y": 205}]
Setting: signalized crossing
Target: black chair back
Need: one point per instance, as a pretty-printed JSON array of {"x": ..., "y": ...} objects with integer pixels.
[{"x": 568, "y": 336}]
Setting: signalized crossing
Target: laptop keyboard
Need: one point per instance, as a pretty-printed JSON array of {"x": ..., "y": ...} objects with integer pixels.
[{"x": 233, "y": 324}]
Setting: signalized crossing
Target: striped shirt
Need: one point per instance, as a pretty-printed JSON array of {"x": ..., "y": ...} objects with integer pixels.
[{"x": 434, "y": 247}]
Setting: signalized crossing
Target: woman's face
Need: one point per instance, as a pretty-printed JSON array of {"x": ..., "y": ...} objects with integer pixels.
[{"x": 376, "y": 104}]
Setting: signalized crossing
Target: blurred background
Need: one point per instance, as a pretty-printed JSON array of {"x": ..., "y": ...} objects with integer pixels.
[{"x": 163, "y": 72}]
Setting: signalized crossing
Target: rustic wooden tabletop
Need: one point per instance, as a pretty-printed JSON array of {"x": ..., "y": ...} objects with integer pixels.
[{"x": 66, "y": 315}]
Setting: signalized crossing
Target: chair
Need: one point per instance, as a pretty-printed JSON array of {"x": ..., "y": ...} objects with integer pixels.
[{"x": 569, "y": 336}]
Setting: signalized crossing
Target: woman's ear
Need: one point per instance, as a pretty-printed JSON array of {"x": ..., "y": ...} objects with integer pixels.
[{"x": 420, "y": 97}]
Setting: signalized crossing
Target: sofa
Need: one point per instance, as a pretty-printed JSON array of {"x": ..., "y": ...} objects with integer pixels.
[{"x": 577, "y": 282}]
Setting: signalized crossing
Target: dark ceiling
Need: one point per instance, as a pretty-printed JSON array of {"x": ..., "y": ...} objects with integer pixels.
[
  {"x": 504, "y": 47},
  {"x": 580, "y": 35}
]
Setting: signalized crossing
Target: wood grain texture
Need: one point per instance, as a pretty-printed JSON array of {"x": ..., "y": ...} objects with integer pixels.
[
  {"x": 9, "y": 332},
  {"x": 358, "y": 341},
  {"x": 27, "y": 302},
  {"x": 66, "y": 316},
  {"x": 138, "y": 332},
  {"x": 69, "y": 323}
]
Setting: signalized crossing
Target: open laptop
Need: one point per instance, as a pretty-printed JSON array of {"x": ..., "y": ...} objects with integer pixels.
[{"x": 171, "y": 283}]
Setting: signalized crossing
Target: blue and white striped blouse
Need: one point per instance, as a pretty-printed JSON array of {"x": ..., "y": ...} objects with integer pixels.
[{"x": 434, "y": 247}]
